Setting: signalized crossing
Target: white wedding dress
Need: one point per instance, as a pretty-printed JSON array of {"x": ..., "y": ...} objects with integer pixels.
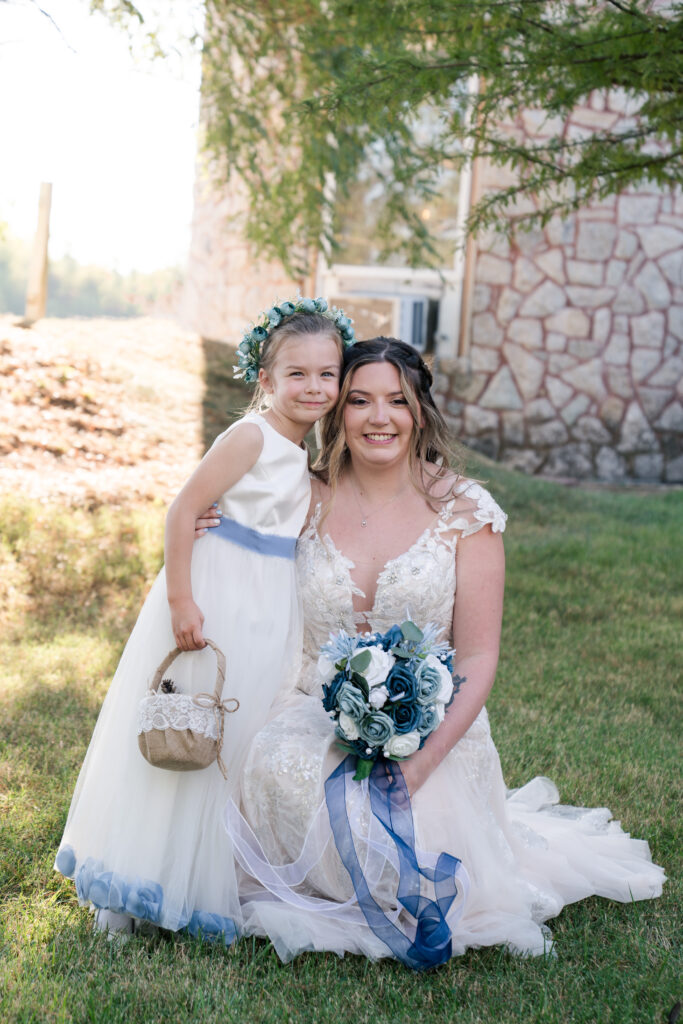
[
  {"x": 148, "y": 843},
  {"x": 525, "y": 854}
]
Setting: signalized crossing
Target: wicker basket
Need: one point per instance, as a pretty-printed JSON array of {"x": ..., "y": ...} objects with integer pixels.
[{"x": 180, "y": 732}]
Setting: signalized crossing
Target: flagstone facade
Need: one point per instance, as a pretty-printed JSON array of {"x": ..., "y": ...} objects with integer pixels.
[
  {"x": 575, "y": 359},
  {"x": 570, "y": 361}
]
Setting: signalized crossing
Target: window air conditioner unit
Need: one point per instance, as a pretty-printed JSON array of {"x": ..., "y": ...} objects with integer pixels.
[{"x": 413, "y": 312}]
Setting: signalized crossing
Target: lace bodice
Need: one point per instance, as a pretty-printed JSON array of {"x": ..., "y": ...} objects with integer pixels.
[{"x": 418, "y": 584}]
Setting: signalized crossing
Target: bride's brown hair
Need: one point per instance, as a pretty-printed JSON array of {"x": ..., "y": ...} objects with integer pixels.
[{"x": 431, "y": 456}]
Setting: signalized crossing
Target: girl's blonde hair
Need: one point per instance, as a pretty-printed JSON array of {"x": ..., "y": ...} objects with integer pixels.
[
  {"x": 431, "y": 456},
  {"x": 295, "y": 326}
]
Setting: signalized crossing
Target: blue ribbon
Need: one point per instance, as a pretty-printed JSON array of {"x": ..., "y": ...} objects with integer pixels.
[
  {"x": 390, "y": 804},
  {"x": 253, "y": 540}
]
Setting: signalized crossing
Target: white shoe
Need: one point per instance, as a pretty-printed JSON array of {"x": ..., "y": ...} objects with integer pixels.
[{"x": 117, "y": 926}]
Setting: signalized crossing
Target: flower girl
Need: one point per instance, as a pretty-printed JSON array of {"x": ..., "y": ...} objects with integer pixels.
[{"x": 142, "y": 842}]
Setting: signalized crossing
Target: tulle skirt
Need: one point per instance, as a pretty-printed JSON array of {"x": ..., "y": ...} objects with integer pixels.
[
  {"x": 525, "y": 856},
  {"x": 151, "y": 842}
]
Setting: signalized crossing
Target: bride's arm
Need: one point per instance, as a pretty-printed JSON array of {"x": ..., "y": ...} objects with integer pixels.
[{"x": 477, "y": 616}]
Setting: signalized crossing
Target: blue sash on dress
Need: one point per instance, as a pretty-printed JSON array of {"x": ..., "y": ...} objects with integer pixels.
[{"x": 253, "y": 540}]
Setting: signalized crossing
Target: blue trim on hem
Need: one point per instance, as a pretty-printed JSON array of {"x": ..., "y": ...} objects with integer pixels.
[{"x": 140, "y": 898}]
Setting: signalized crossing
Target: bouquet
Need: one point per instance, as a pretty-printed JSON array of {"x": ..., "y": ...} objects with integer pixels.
[{"x": 386, "y": 691}]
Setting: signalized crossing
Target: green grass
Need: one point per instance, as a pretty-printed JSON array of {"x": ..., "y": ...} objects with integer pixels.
[{"x": 585, "y": 695}]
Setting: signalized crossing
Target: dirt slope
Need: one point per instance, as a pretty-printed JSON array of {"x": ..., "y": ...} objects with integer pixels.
[{"x": 99, "y": 410}]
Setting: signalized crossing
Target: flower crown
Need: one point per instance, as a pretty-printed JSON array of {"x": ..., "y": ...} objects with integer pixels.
[{"x": 249, "y": 349}]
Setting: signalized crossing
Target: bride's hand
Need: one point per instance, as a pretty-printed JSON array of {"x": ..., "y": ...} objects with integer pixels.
[
  {"x": 206, "y": 520},
  {"x": 415, "y": 772}
]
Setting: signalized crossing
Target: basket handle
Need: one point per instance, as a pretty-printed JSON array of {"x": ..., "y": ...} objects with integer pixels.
[{"x": 172, "y": 655}]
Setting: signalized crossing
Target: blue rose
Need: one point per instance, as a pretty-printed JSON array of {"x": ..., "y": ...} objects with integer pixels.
[
  {"x": 401, "y": 683},
  {"x": 84, "y": 879},
  {"x": 348, "y": 334},
  {"x": 430, "y": 720},
  {"x": 66, "y": 861},
  {"x": 244, "y": 346},
  {"x": 320, "y": 305},
  {"x": 407, "y": 715},
  {"x": 331, "y": 690},
  {"x": 274, "y": 315},
  {"x": 376, "y": 728},
  {"x": 145, "y": 901},
  {"x": 98, "y": 892},
  {"x": 357, "y": 746},
  {"x": 287, "y": 308},
  {"x": 392, "y": 638},
  {"x": 428, "y": 682},
  {"x": 259, "y": 333},
  {"x": 212, "y": 927},
  {"x": 118, "y": 894},
  {"x": 342, "y": 322},
  {"x": 351, "y": 701},
  {"x": 307, "y": 305}
]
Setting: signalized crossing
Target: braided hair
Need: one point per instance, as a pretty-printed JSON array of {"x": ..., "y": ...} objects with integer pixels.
[{"x": 431, "y": 454}]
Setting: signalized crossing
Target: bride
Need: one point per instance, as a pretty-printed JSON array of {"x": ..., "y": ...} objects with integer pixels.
[{"x": 394, "y": 534}]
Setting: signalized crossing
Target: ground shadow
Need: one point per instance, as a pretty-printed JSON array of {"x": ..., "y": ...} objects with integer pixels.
[{"x": 225, "y": 399}]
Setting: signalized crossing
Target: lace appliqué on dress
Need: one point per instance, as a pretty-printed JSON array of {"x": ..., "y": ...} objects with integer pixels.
[
  {"x": 418, "y": 584},
  {"x": 485, "y": 511}
]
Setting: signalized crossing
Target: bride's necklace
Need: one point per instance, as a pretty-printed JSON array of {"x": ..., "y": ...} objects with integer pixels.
[{"x": 364, "y": 516}]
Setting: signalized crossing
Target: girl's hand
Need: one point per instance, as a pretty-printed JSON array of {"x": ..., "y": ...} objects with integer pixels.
[
  {"x": 206, "y": 520},
  {"x": 187, "y": 621}
]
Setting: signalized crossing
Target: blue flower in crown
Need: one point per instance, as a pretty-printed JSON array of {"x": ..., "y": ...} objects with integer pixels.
[{"x": 249, "y": 349}]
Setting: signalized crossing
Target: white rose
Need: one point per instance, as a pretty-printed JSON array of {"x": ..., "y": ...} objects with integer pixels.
[
  {"x": 378, "y": 696},
  {"x": 326, "y": 669},
  {"x": 348, "y": 726},
  {"x": 445, "y": 691},
  {"x": 402, "y": 745},
  {"x": 381, "y": 663}
]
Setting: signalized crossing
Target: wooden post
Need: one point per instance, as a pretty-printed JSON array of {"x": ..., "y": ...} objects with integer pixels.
[
  {"x": 470, "y": 264},
  {"x": 36, "y": 291}
]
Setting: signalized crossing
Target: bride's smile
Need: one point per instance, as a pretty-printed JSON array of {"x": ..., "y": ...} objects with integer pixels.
[{"x": 377, "y": 417}]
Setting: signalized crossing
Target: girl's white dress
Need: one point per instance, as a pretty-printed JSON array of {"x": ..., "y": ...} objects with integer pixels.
[
  {"x": 149, "y": 842},
  {"x": 526, "y": 855}
]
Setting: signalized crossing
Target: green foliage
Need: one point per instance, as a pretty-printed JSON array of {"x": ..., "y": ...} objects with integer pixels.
[
  {"x": 305, "y": 93},
  {"x": 302, "y": 97},
  {"x": 77, "y": 290},
  {"x": 585, "y": 694},
  {"x": 361, "y": 661}
]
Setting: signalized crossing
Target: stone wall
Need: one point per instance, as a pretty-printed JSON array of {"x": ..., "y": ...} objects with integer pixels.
[
  {"x": 227, "y": 286},
  {"x": 575, "y": 363}
]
